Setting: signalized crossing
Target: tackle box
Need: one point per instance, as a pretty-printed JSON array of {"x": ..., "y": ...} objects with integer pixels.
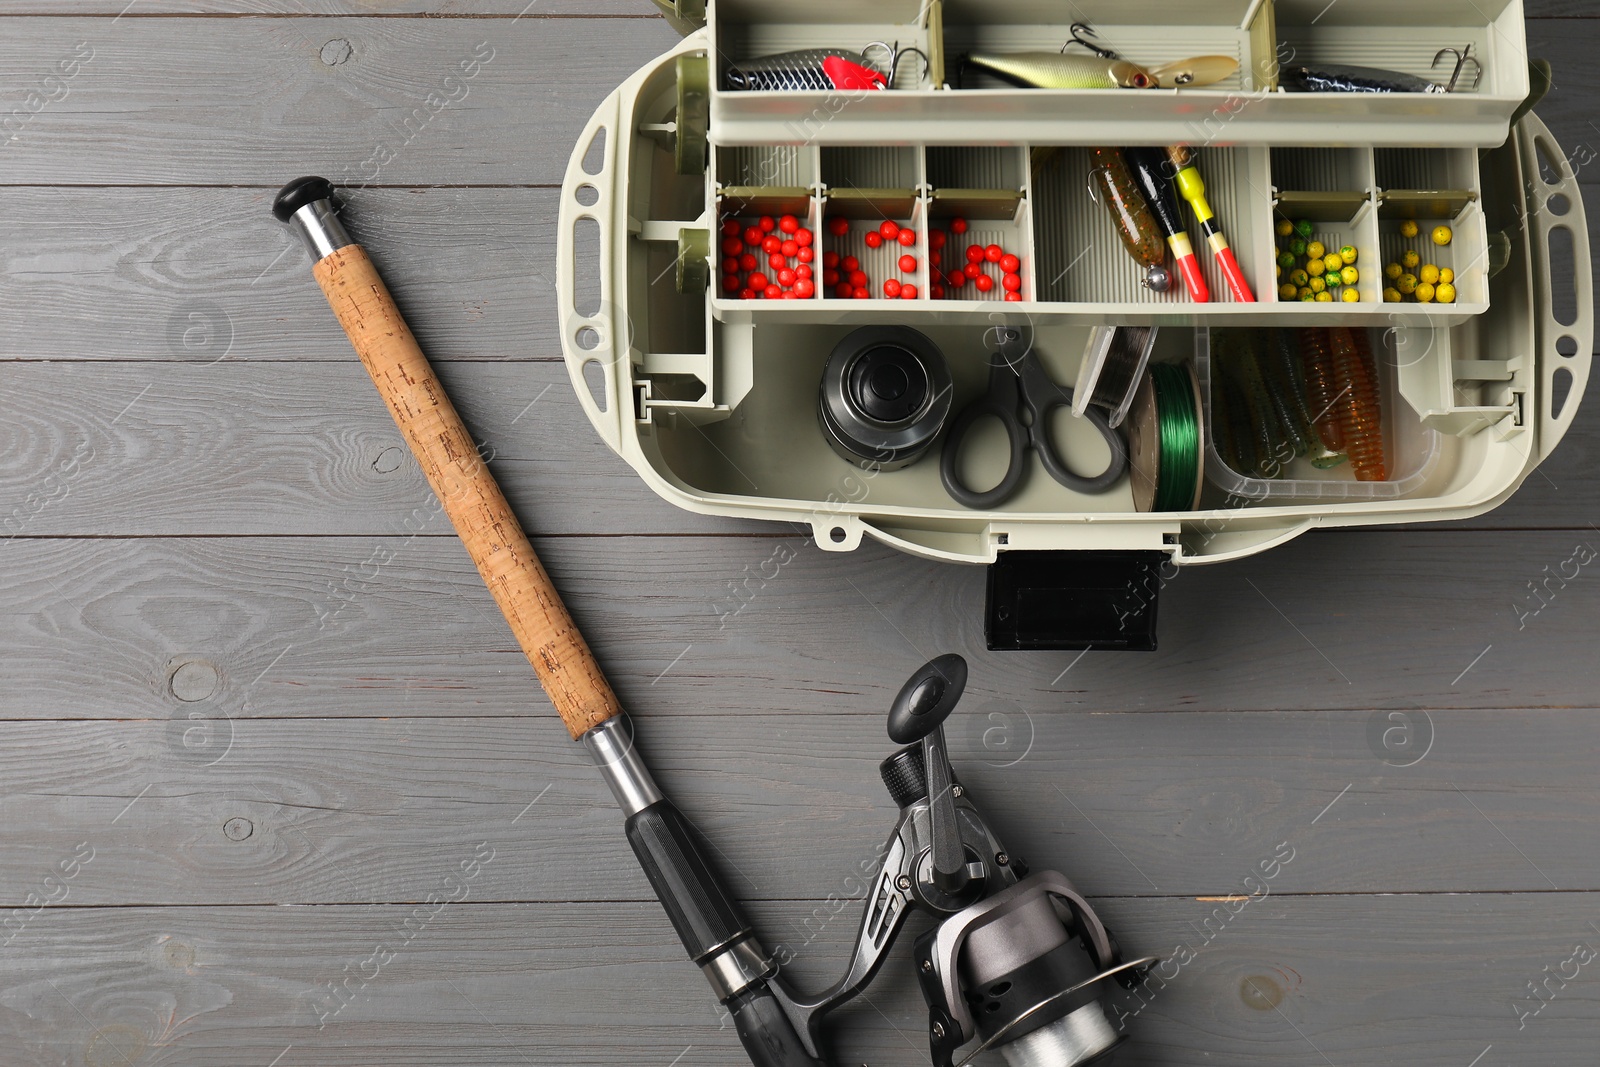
[{"x": 713, "y": 398}]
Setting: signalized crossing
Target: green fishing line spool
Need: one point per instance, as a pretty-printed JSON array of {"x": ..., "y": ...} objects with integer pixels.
[{"x": 1165, "y": 441}]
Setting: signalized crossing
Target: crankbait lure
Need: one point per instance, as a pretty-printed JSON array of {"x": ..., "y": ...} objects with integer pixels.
[
  {"x": 1130, "y": 215},
  {"x": 1193, "y": 188},
  {"x": 1052, "y": 70},
  {"x": 1148, "y": 166},
  {"x": 1361, "y": 412},
  {"x": 811, "y": 68},
  {"x": 1338, "y": 78}
]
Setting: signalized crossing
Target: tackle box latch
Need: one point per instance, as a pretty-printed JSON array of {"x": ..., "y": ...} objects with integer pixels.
[{"x": 1073, "y": 601}]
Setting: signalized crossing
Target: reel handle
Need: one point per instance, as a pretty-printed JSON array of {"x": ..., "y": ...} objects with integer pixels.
[
  {"x": 449, "y": 459},
  {"x": 918, "y": 715}
]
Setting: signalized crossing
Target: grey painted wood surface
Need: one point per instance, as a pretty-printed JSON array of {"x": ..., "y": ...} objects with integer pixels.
[{"x": 275, "y": 748}]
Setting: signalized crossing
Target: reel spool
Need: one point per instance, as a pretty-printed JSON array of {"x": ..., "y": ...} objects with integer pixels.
[
  {"x": 1166, "y": 440},
  {"x": 1113, "y": 365},
  {"x": 886, "y": 393}
]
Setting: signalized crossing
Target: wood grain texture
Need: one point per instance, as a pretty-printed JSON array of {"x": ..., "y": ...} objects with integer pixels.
[
  {"x": 466, "y": 490},
  {"x": 265, "y": 100},
  {"x": 348, "y": 811},
  {"x": 1367, "y": 982}
]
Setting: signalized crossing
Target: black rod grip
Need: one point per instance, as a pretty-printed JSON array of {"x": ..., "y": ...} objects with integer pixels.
[
  {"x": 670, "y": 852},
  {"x": 769, "y": 1038}
]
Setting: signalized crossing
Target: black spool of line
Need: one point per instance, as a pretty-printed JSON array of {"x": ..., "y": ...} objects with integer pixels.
[{"x": 885, "y": 396}]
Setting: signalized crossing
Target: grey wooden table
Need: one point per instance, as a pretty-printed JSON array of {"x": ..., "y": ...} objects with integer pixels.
[{"x": 256, "y": 710}]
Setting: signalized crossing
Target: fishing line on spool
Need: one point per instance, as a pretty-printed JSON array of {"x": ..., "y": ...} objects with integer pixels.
[{"x": 1178, "y": 429}]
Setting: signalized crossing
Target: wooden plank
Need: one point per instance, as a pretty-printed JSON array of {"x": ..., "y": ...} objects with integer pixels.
[
  {"x": 307, "y": 448},
  {"x": 378, "y": 627},
  {"x": 1430, "y": 981},
  {"x": 260, "y": 101},
  {"x": 347, "y": 811}
]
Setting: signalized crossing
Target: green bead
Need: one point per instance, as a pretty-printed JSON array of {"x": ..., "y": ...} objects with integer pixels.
[
  {"x": 1305, "y": 228},
  {"x": 1298, "y": 246},
  {"x": 1287, "y": 261}
]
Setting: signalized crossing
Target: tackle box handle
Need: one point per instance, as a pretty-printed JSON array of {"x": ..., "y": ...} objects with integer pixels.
[
  {"x": 1536, "y": 141},
  {"x": 604, "y": 336}
]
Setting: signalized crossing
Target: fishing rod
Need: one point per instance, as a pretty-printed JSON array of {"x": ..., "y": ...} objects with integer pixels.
[{"x": 1018, "y": 962}]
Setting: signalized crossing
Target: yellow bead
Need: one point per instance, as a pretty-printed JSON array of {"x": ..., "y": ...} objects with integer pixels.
[
  {"x": 1305, "y": 293},
  {"x": 1447, "y": 276},
  {"x": 1350, "y": 275},
  {"x": 1288, "y": 292},
  {"x": 1425, "y": 293},
  {"x": 1442, "y": 236},
  {"x": 1300, "y": 279},
  {"x": 1408, "y": 228},
  {"x": 1316, "y": 250},
  {"x": 1348, "y": 253},
  {"x": 1319, "y": 285},
  {"x": 1316, "y": 268},
  {"x": 1333, "y": 261},
  {"x": 1410, "y": 260},
  {"x": 1429, "y": 273},
  {"x": 1407, "y": 284},
  {"x": 1445, "y": 294},
  {"x": 1393, "y": 271},
  {"x": 1285, "y": 228},
  {"x": 1352, "y": 296},
  {"x": 1324, "y": 297},
  {"x": 1392, "y": 296}
]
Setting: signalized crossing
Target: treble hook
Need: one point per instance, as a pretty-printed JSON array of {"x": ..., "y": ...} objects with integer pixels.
[
  {"x": 1080, "y": 30},
  {"x": 896, "y": 53},
  {"x": 1463, "y": 57}
]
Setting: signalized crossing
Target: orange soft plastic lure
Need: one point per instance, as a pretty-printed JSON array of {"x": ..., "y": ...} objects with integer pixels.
[
  {"x": 1360, "y": 410},
  {"x": 1317, "y": 355}
]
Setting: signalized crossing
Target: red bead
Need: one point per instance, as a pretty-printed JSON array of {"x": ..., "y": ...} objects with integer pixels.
[
  {"x": 938, "y": 291},
  {"x": 1010, "y": 264},
  {"x": 830, "y": 277},
  {"x": 958, "y": 226},
  {"x": 730, "y": 265},
  {"x": 974, "y": 253},
  {"x": 861, "y": 293},
  {"x": 787, "y": 277},
  {"x": 732, "y": 246},
  {"x": 768, "y": 224},
  {"x": 790, "y": 248},
  {"x": 936, "y": 257},
  {"x": 770, "y": 245},
  {"x": 908, "y": 292},
  {"x": 1012, "y": 283},
  {"x": 730, "y": 283},
  {"x": 802, "y": 271},
  {"x": 844, "y": 291},
  {"x": 806, "y": 254},
  {"x": 791, "y": 295},
  {"x": 874, "y": 239},
  {"x": 957, "y": 278},
  {"x": 1014, "y": 297},
  {"x": 908, "y": 264},
  {"x": 747, "y": 294},
  {"x": 907, "y": 238},
  {"x": 839, "y": 226},
  {"x": 730, "y": 227},
  {"x": 748, "y": 262},
  {"x": 753, "y": 235},
  {"x": 984, "y": 283},
  {"x": 803, "y": 237},
  {"x": 858, "y": 278},
  {"x": 805, "y": 288},
  {"x": 830, "y": 259},
  {"x": 789, "y": 224},
  {"x": 773, "y": 292},
  {"x": 758, "y": 281},
  {"x": 776, "y": 262},
  {"x": 972, "y": 270},
  {"x": 937, "y": 239},
  {"x": 891, "y": 288},
  {"x": 890, "y": 229},
  {"x": 994, "y": 253},
  {"x": 849, "y": 263}
]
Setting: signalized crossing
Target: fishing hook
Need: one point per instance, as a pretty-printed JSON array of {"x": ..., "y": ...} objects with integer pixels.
[
  {"x": 1080, "y": 30},
  {"x": 1463, "y": 57},
  {"x": 895, "y": 54}
]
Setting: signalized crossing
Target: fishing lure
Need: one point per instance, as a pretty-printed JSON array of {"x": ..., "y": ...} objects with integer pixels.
[
  {"x": 1316, "y": 356},
  {"x": 1339, "y": 78},
  {"x": 1130, "y": 215},
  {"x": 1273, "y": 434},
  {"x": 1285, "y": 374},
  {"x": 1360, "y": 411},
  {"x": 1053, "y": 70},
  {"x": 1148, "y": 166},
  {"x": 1193, "y": 189},
  {"x": 811, "y": 68}
]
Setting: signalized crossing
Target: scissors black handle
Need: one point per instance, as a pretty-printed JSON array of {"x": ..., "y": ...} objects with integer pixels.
[{"x": 1016, "y": 385}]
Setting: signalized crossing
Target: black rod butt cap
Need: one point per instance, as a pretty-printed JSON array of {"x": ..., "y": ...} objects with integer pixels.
[{"x": 298, "y": 193}]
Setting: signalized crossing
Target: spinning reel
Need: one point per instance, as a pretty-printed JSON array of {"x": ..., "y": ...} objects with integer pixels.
[{"x": 1019, "y": 962}]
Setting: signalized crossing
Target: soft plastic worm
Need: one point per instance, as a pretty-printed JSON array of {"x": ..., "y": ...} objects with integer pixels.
[
  {"x": 1268, "y": 438},
  {"x": 1361, "y": 412},
  {"x": 1233, "y": 426},
  {"x": 1316, "y": 355},
  {"x": 1129, "y": 212},
  {"x": 1280, "y": 390}
]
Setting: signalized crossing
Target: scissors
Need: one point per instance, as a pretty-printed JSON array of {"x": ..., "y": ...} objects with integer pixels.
[{"x": 1018, "y": 385}]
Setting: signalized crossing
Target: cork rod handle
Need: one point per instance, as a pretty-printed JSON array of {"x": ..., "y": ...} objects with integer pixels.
[{"x": 470, "y": 495}]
